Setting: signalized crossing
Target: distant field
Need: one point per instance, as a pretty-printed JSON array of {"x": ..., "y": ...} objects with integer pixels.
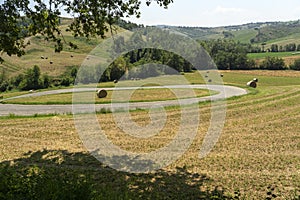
[
  {"x": 273, "y": 54},
  {"x": 288, "y": 57},
  {"x": 293, "y": 38},
  {"x": 257, "y": 153},
  {"x": 244, "y": 36}
]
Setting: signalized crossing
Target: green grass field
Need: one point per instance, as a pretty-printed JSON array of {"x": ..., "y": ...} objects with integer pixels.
[
  {"x": 288, "y": 57},
  {"x": 257, "y": 155},
  {"x": 272, "y": 54}
]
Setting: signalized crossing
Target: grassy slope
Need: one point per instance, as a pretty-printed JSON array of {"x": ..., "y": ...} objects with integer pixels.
[
  {"x": 282, "y": 41},
  {"x": 244, "y": 36},
  {"x": 39, "y": 47},
  {"x": 258, "y": 148}
]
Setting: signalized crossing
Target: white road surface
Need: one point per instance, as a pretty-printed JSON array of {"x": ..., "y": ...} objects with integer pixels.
[{"x": 224, "y": 92}]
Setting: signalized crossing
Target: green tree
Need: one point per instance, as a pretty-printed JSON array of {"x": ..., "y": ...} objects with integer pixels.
[
  {"x": 2, "y": 76},
  {"x": 274, "y": 48},
  {"x": 291, "y": 47},
  {"x": 46, "y": 81},
  {"x": 15, "y": 81},
  {"x": 31, "y": 79},
  {"x": 273, "y": 63},
  {"x": 74, "y": 72},
  {"x": 296, "y": 65},
  {"x": 23, "y": 18},
  {"x": 4, "y": 86},
  {"x": 228, "y": 54},
  {"x": 118, "y": 69}
]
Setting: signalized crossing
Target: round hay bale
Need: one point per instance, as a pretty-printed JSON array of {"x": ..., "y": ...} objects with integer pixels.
[
  {"x": 116, "y": 81},
  {"x": 255, "y": 80},
  {"x": 252, "y": 84},
  {"x": 101, "y": 93},
  {"x": 51, "y": 62},
  {"x": 209, "y": 80},
  {"x": 222, "y": 75}
]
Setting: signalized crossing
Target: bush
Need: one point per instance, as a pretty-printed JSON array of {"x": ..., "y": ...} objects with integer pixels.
[
  {"x": 273, "y": 63},
  {"x": 295, "y": 65}
]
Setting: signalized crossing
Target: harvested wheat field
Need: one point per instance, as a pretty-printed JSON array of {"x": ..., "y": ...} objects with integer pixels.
[{"x": 257, "y": 155}]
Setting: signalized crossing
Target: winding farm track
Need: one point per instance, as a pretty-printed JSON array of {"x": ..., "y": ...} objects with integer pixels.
[{"x": 29, "y": 110}]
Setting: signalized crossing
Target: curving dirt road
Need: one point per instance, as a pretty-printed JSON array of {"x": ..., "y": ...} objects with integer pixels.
[{"x": 29, "y": 110}]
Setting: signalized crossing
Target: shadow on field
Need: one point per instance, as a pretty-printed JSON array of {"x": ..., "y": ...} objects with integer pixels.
[{"x": 59, "y": 174}]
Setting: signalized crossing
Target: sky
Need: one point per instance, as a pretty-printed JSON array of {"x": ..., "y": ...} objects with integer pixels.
[{"x": 213, "y": 13}]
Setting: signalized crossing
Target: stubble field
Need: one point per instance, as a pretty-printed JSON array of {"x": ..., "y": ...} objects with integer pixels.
[{"x": 257, "y": 155}]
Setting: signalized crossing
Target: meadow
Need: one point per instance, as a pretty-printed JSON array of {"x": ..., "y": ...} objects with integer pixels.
[{"x": 256, "y": 157}]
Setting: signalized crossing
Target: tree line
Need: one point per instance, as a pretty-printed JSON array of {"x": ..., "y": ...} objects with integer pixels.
[
  {"x": 232, "y": 55},
  {"x": 275, "y": 48},
  {"x": 33, "y": 79}
]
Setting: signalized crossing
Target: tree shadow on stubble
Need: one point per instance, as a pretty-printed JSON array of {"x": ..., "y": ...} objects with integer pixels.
[{"x": 59, "y": 174}]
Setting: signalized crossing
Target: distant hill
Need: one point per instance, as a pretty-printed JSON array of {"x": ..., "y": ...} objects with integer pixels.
[{"x": 280, "y": 33}]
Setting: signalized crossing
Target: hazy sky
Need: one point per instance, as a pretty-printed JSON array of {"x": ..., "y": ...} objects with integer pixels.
[{"x": 219, "y": 12}]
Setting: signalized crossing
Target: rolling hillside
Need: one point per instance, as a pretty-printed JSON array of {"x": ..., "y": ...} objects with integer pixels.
[
  {"x": 55, "y": 64},
  {"x": 41, "y": 53},
  {"x": 280, "y": 33}
]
